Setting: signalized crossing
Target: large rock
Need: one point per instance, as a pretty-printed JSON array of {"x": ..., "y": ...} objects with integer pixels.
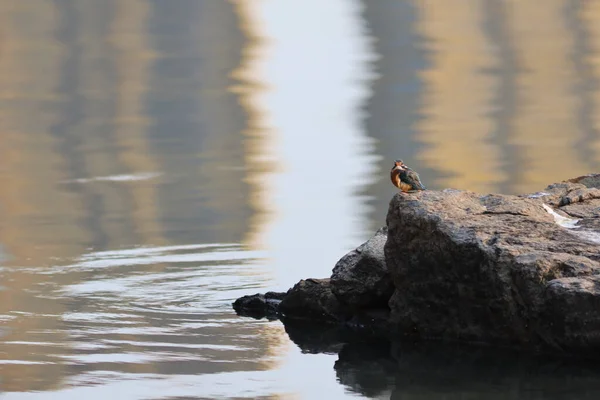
[
  {"x": 361, "y": 277},
  {"x": 518, "y": 270},
  {"x": 496, "y": 268}
]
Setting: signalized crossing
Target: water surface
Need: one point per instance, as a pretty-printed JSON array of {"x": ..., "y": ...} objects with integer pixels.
[{"x": 160, "y": 159}]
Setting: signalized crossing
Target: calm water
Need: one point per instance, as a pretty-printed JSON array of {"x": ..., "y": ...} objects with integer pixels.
[{"x": 159, "y": 159}]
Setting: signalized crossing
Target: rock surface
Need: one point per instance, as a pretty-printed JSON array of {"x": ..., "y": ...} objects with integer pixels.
[
  {"x": 495, "y": 268},
  {"x": 312, "y": 299},
  {"x": 361, "y": 277},
  {"x": 259, "y": 305},
  {"x": 512, "y": 270}
]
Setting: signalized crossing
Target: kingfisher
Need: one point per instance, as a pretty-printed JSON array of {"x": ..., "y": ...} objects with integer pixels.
[{"x": 404, "y": 178}]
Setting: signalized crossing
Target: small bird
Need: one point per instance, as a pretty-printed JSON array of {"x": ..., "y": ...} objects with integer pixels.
[{"x": 404, "y": 178}]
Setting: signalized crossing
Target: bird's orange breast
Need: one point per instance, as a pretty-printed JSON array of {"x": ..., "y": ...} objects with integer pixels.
[{"x": 395, "y": 176}]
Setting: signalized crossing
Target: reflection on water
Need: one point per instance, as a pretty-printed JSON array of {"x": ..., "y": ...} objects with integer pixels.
[
  {"x": 306, "y": 139},
  {"x": 124, "y": 314},
  {"x": 409, "y": 371},
  {"x": 159, "y": 159}
]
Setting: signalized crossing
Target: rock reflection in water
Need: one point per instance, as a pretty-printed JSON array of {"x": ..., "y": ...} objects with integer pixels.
[{"x": 376, "y": 367}]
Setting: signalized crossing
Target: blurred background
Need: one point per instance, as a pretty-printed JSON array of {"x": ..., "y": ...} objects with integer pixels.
[{"x": 160, "y": 158}]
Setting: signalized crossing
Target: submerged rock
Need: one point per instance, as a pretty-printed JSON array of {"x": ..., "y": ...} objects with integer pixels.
[{"x": 361, "y": 277}]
